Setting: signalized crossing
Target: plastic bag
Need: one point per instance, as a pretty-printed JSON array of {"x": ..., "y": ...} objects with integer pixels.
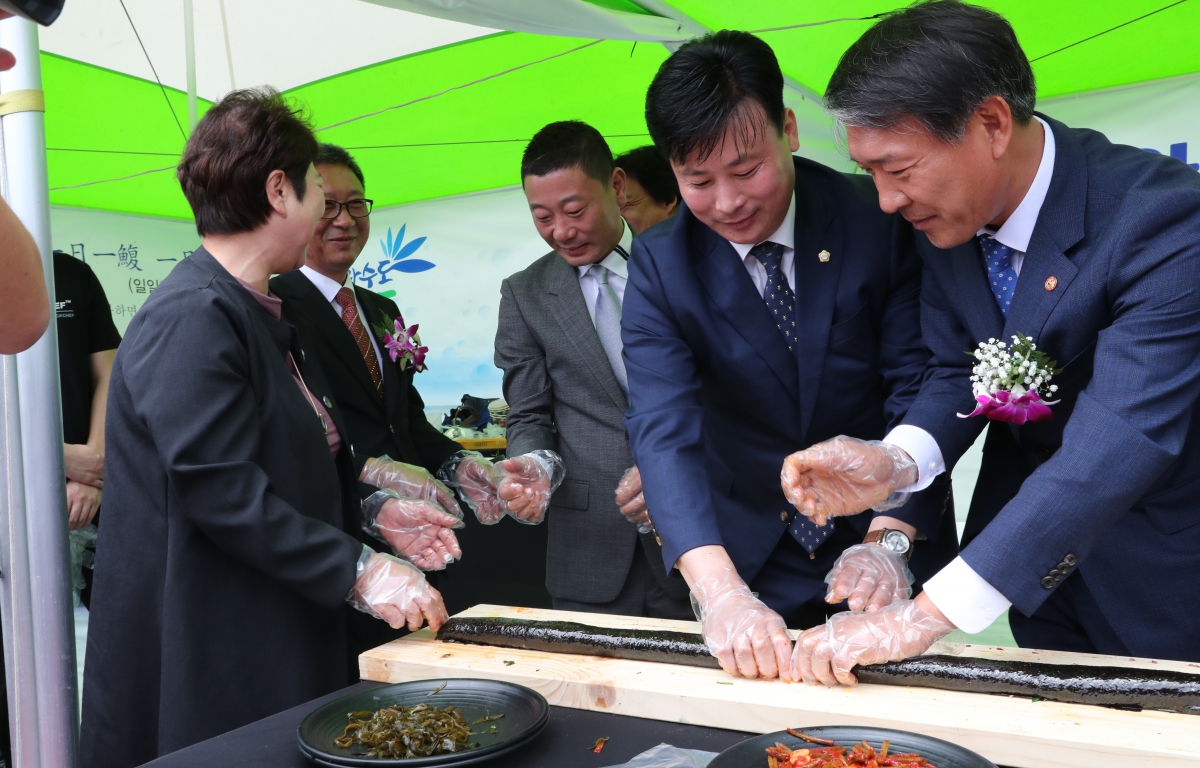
[{"x": 666, "y": 756}]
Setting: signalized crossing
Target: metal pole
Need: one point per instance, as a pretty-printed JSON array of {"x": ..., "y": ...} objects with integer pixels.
[
  {"x": 189, "y": 47},
  {"x": 55, "y": 710}
]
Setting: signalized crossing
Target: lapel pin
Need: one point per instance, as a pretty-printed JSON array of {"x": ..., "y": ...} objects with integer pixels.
[
  {"x": 823, "y": 256},
  {"x": 1051, "y": 283}
]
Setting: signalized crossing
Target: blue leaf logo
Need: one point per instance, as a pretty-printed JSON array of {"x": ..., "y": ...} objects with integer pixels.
[{"x": 399, "y": 252}]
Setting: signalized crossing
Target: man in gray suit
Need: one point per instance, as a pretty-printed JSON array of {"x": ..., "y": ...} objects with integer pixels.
[{"x": 559, "y": 345}]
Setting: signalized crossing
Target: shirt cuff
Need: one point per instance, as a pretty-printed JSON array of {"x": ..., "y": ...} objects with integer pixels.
[
  {"x": 923, "y": 449},
  {"x": 969, "y": 602}
]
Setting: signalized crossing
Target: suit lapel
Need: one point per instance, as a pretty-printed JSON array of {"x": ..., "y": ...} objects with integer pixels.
[
  {"x": 731, "y": 289},
  {"x": 567, "y": 305}
]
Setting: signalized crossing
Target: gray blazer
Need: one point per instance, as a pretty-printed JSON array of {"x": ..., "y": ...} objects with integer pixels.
[{"x": 564, "y": 397}]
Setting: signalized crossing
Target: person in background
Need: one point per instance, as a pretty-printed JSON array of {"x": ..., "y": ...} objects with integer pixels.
[
  {"x": 559, "y": 345},
  {"x": 346, "y": 326},
  {"x": 224, "y": 568},
  {"x": 651, "y": 191},
  {"x": 780, "y": 309}
]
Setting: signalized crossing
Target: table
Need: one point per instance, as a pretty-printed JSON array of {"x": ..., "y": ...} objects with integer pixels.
[{"x": 567, "y": 740}]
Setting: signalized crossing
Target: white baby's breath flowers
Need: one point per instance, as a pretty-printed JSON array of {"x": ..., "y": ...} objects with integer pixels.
[{"x": 1018, "y": 368}]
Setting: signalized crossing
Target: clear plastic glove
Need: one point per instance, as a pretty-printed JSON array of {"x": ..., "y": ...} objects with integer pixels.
[
  {"x": 827, "y": 653},
  {"x": 747, "y": 637},
  {"x": 409, "y": 481},
  {"x": 632, "y": 501},
  {"x": 417, "y": 530},
  {"x": 871, "y": 576},
  {"x": 391, "y": 589},
  {"x": 844, "y": 476},
  {"x": 526, "y": 483},
  {"x": 472, "y": 476}
]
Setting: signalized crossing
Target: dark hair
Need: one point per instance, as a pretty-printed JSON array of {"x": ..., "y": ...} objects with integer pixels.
[
  {"x": 704, "y": 88},
  {"x": 934, "y": 62},
  {"x": 233, "y": 150},
  {"x": 332, "y": 154},
  {"x": 568, "y": 144},
  {"x": 648, "y": 167}
]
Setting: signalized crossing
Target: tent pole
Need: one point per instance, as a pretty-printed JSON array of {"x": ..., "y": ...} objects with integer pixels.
[
  {"x": 37, "y": 580},
  {"x": 189, "y": 47}
]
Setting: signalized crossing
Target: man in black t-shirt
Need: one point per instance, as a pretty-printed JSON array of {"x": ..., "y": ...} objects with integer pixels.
[{"x": 87, "y": 344}]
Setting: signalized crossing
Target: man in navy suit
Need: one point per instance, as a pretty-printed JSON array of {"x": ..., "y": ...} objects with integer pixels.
[
  {"x": 779, "y": 308},
  {"x": 1086, "y": 524}
]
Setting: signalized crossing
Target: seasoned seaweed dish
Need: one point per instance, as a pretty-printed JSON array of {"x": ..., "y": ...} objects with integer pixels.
[
  {"x": 1073, "y": 684},
  {"x": 1121, "y": 687},
  {"x": 568, "y": 637},
  {"x": 399, "y": 732}
]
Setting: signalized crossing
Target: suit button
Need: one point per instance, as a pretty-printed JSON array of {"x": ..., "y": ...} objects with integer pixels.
[
  {"x": 1048, "y": 583},
  {"x": 1064, "y": 566},
  {"x": 328, "y": 403},
  {"x": 391, "y": 429},
  {"x": 1054, "y": 574},
  {"x": 783, "y": 516},
  {"x": 1070, "y": 560}
]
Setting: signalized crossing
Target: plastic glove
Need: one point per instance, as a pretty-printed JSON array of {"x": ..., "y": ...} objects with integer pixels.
[
  {"x": 871, "y": 576},
  {"x": 417, "y": 530},
  {"x": 410, "y": 482},
  {"x": 472, "y": 476},
  {"x": 526, "y": 483},
  {"x": 391, "y": 589},
  {"x": 826, "y": 654},
  {"x": 632, "y": 501},
  {"x": 747, "y": 637},
  {"x": 844, "y": 476}
]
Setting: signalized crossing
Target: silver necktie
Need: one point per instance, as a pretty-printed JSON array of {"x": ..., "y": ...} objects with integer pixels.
[{"x": 608, "y": 324}]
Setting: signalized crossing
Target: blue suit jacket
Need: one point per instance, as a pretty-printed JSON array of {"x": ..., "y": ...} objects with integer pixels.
[
  {"x": 1114, "y": 478},
  {"x": 717, "y": 401}
]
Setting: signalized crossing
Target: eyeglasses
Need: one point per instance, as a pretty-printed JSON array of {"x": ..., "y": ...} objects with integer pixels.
[{"x": 358, "y": 209}]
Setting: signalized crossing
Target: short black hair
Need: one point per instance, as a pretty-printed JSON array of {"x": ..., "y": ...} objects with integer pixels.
[
  {"x": 935, "y": 62},
  {"x": 236, "y": 146},
  {"x": 332, "y": 154},
  {"x": 647, "y": 166},
  {"x": 568, "y": 144},
  {"x": 703, "y": 89}
]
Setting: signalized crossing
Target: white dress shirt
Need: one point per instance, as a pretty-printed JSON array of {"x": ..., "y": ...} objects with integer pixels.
[
  {"x": 785, "y": 236},
  {"x": 329, "y": 289},
  {"x": 961, "y": 594},
  {"x": 617, "y": 262}
]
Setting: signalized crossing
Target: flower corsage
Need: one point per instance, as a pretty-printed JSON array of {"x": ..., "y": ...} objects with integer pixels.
[
  {"x": 1009, "y": 382},
  {"x": 404, "y": 346}
]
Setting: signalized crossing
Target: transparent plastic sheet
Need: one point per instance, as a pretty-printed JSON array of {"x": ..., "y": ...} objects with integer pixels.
[
  {"x": 393, "y": 590},
  {"x": 410, "y": 481},
  {"x": 869, "y": 576},
  {"x": 845, "y": 476},
  {"x": 419, "y": 531},
  {"x": 539, "y": 475},
  {"x": 471, "y": 475},
  {"x": 666, "y": 756},
  {"x": 82, "y": 556}
]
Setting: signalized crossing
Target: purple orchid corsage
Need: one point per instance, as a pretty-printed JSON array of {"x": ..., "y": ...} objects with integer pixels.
[
  {"x": 1010, "y": 381},
  {"x": 404, "y": 346}
]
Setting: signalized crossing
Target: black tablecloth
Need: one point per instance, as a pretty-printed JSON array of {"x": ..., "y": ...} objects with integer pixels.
[{"x": 567, "y": 741}]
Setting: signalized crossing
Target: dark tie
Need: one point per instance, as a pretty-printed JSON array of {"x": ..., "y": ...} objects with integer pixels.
[
  {"x": 345, "y": 298},
  {"x": 782, "y": 303},
  {"x": 1001, "y": 275}
]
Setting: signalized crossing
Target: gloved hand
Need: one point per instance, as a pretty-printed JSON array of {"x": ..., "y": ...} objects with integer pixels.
[
  {"x": 391, "y": 589},
  {"x": 408, "y": 481},
  {"x": 417, "y": 530},
  {"x": 845, "y": 475},
  {"x": 747, "y": 637},
  {"x": 472, "y": 476},
  {"x": 871, "y": 575},
  {"x": 526, "y": 483},
  {"x": 632, "y": 501},
  {"x": 827, "y": 653}
]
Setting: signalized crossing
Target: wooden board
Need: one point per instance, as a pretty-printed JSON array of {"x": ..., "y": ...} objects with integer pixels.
[
  {"x": 1008, "y": 731},
  {"x": 483, "y": 443}
]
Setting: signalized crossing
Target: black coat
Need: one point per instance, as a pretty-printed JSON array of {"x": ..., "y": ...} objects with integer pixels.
[{"x": 222, "y": 569}]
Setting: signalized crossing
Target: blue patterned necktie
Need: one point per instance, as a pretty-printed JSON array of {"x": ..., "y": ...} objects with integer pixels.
[
  {"x": 782, "y": 303},
  {"x": 1001, "y": 275}
]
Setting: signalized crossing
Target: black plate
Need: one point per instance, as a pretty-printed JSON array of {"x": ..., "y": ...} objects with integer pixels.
[
  {"x": 751, "y": 753},
  {"x": 525, "y": 715}
]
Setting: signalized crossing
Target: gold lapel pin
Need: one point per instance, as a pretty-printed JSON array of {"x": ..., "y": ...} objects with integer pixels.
[
  {"x": 1051, "y": 283},
  {"x": 823, "y": 256}
]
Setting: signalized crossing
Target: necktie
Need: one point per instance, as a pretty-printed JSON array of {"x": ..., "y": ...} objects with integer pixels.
[
  {"x": 608, "y": 324},
  {"x": 345, "y": 298},
  {"x": 782, "y": 303},
  {"x": 1001, "y": 275}
]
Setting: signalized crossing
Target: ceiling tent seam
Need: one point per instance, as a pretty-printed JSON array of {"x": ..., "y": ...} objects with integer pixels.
[
  {"x": 120, "y": 178},
  {"x": 153, "y": 70},
  {"x": 1110, "y": 29}
]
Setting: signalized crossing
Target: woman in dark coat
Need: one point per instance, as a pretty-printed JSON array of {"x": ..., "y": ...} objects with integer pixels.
[{"x": 225, "y": 566}]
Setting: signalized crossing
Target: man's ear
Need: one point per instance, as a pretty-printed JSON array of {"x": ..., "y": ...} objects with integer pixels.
[
  {"x": 279, "y": 187},
  {"x": 618, "y": 184},
  {"x": 996, "y": 119},
  {"x": 790, "y": 131}
]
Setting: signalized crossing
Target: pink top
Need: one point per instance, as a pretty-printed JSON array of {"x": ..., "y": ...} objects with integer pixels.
[{"x": 273, "y": 305}]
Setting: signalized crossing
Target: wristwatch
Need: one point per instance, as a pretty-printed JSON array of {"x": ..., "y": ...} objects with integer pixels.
[{"x": 896, "y": 541}]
